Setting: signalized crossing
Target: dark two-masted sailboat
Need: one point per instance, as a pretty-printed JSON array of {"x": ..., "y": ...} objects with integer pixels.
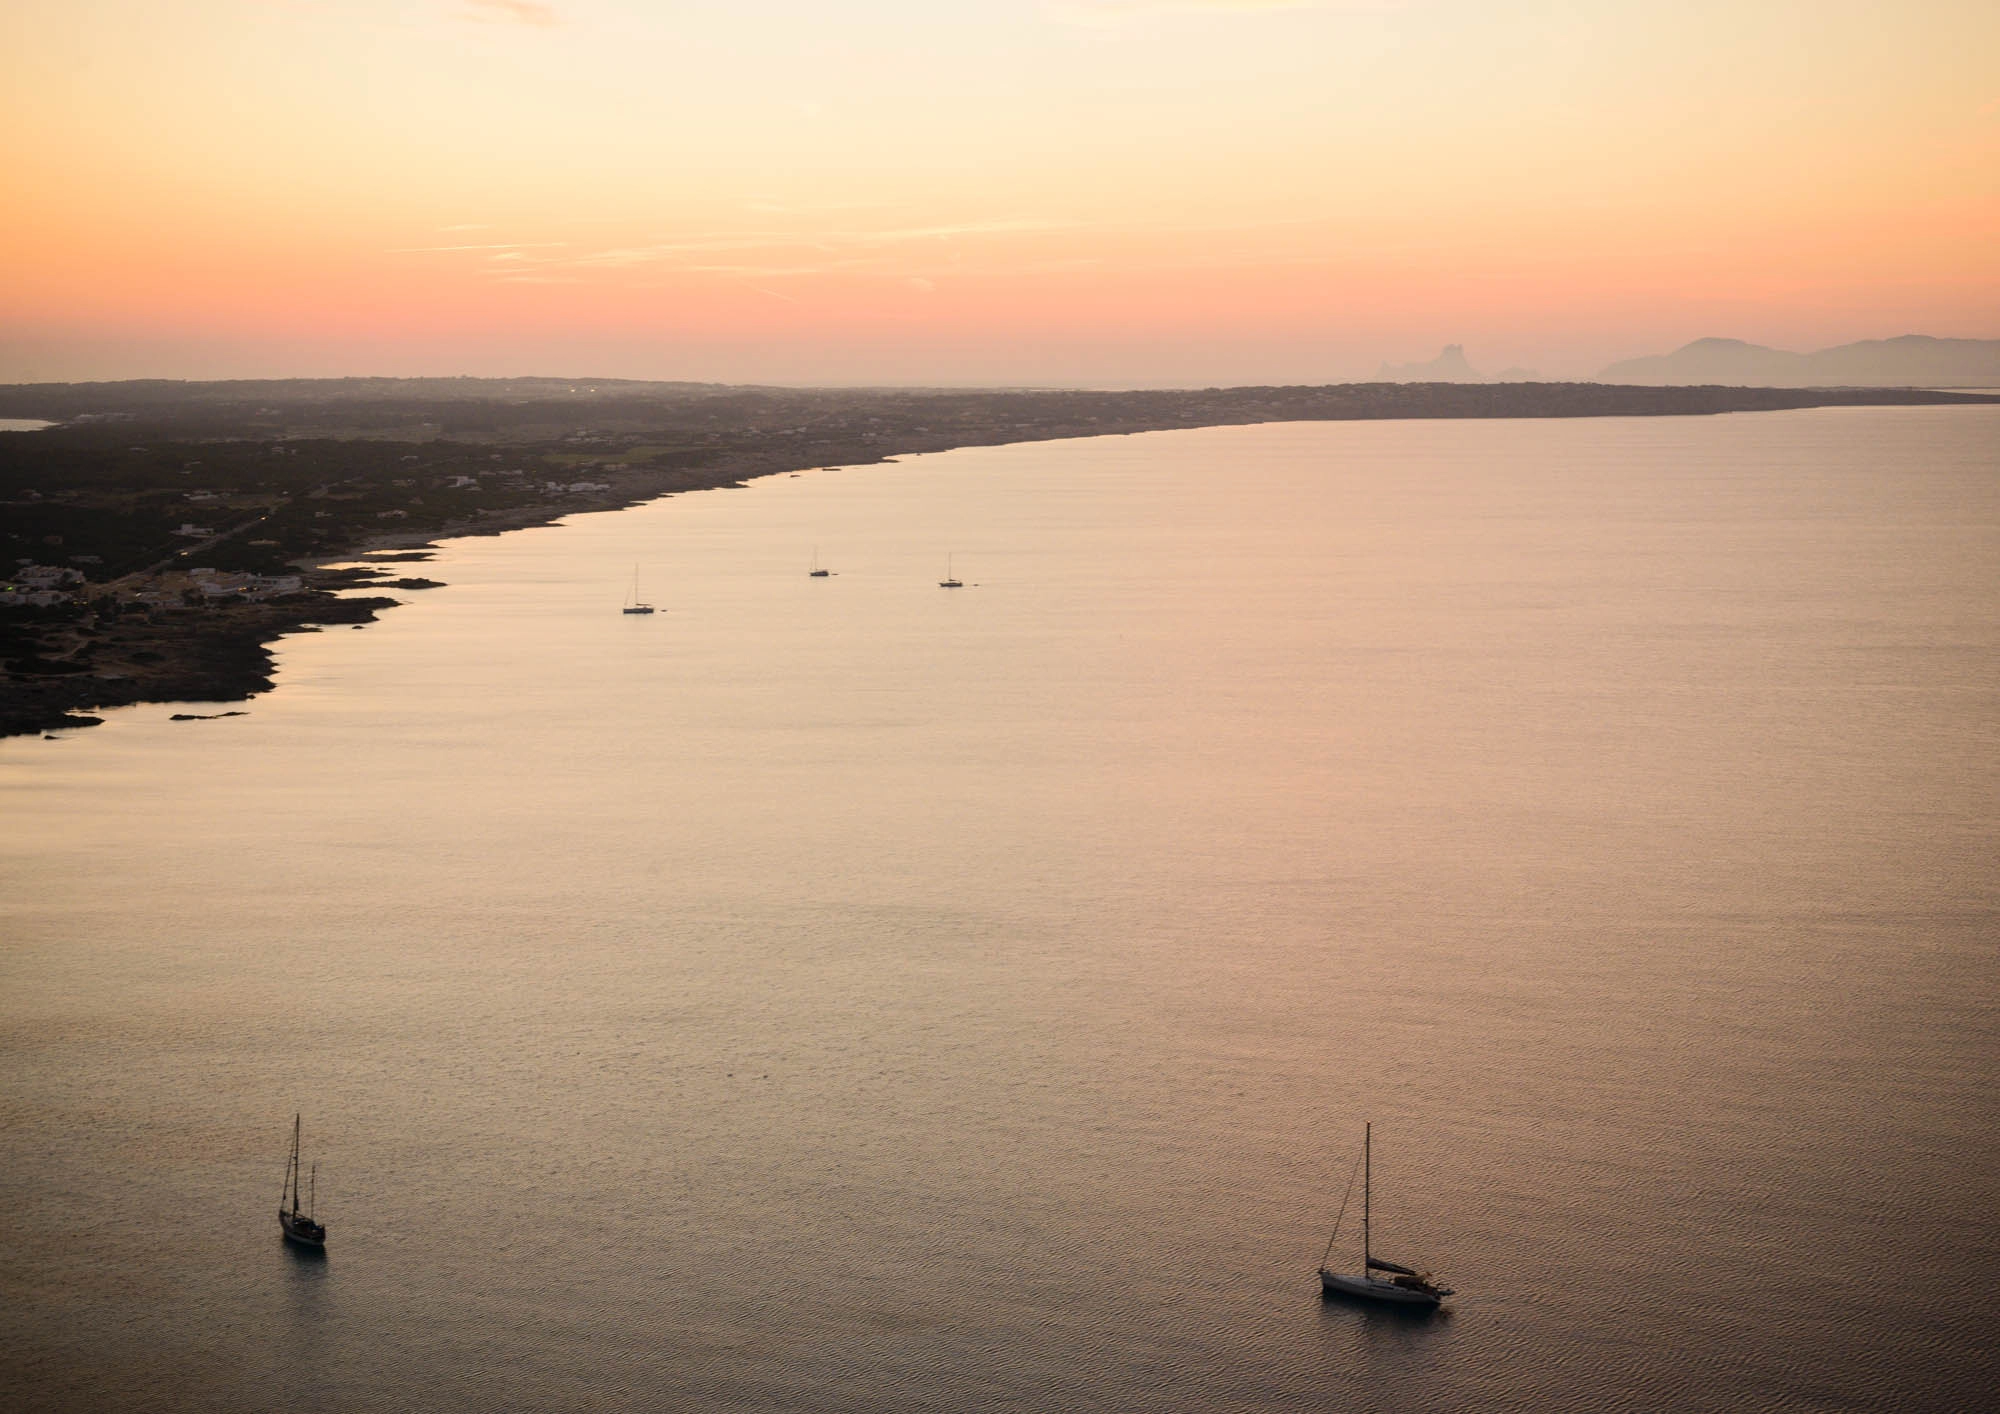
[{"x": 299, "y": 1226}]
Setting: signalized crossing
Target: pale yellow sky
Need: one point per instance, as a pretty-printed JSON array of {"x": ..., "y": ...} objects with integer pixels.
[{"x": 1045, "y": 191}]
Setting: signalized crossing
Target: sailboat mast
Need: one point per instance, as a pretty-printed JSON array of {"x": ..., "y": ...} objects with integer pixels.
[
  {"x": 1367, "y": 1174},
  {"x": 312, "y": 1203},
  {"x": 296, "y": 1122}
]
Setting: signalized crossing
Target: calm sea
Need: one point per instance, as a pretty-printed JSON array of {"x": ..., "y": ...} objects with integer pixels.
[{"x": 852, "y": 994}]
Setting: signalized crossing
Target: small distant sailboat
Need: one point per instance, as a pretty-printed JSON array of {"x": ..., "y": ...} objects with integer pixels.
[
  {"x": 950, "y": 580},
  {"x": 636, "y": 605},
  {"x": 816, "y": 572},
  {"x": 1402, "y": 1286},
  {"x": 299, "y": 1227}
]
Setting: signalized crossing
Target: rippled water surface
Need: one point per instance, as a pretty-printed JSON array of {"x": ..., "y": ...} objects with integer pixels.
[{"x": 847, "y": 993}]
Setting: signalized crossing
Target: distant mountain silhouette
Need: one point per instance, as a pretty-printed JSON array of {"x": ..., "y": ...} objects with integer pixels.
[
  {"x": 1448, "y": 367},
  {"x": 1912, "y": 361}
]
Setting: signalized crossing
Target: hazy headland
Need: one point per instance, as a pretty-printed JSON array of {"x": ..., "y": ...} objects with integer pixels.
[
  {"x": 1913, "y": 360},
  {"x": 1907, "y": 361},
  {"x": 161, "y": 533}
]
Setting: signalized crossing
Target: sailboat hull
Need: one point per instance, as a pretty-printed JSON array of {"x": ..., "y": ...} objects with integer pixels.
[
  {"x": 1366, "y": 1288},
  {"x": 303, "y": 1231}
]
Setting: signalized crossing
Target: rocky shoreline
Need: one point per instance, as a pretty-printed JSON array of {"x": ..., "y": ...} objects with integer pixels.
[
  {"x": 193, "y": 655},
  {"x": 222, "y": 653}
]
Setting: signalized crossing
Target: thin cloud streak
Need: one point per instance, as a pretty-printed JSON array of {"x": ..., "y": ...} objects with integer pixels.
[
  {"x": 1105, "y": 13},
  {"x": 515, "y": 12},
  {"x": 895, "y": 252},
  {"x": 499, "y": 245},
  {"x": 970, "y": 228},
  {"x": 513, "y": 254}
]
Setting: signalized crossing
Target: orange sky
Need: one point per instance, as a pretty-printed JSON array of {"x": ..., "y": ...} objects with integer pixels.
[{"x": 1108, "y": 192}]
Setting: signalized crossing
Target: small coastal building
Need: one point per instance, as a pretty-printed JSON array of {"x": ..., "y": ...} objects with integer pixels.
[
  {"x": 214, "y": 584},
  {"x": 14, "y": 597},
  {"x": 46, "y": 576}
]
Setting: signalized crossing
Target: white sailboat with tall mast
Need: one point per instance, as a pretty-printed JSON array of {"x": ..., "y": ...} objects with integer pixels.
[
  {"x": 1398, "y": 1285},
  {"x": 636, "y": 605},
  {"x": 299, "y": 1224}
]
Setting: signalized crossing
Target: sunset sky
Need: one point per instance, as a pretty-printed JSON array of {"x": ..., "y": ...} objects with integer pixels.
[{"x": 1104, "y": 192}]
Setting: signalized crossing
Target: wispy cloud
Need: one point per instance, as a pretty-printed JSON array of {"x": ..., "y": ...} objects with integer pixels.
[
  {"x": 916, "y": 256},
  {"x": 1009, "y": 226},
  {"x": 502, "y": 245},
  {"x": 768, "y": 271},
  {"x": 762, "y": 253},
  {"x": 1135, "y": 6},
  {"x": 517, "y": 12},
  {"x": 1110, "y": 12}
]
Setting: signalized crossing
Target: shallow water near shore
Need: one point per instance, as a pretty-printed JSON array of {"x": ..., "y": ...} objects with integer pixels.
[{"x": 848, "y": 993}]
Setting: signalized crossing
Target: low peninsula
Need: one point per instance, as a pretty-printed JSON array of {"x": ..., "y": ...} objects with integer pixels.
[{"x": 158, "y": 535}]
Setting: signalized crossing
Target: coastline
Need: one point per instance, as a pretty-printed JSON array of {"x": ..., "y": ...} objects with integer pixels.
[
  {"x": 223, "y": 654},
  {"x": 218, "y": 651}
]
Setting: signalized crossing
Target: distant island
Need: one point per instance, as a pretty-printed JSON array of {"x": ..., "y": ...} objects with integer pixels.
[
  {"x": 1912, "y": 361},
  {"x": 1450, "y": 366},
  {"x": 159, "y": 535}
]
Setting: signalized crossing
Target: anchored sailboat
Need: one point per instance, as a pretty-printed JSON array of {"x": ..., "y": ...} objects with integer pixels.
[
  {"x": 636, "y": 605},
  {"x": 1402, "y": 1286},
  {"x": 299, "y": 1226},
  {"x": 950, "y": 580},
  {"x": 816, "y": 572}
]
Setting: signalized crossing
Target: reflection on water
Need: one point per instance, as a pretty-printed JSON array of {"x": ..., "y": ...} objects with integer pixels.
[
  {"x": 1382, "y": 1314},
  {"x": 840, "y": 994}
]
